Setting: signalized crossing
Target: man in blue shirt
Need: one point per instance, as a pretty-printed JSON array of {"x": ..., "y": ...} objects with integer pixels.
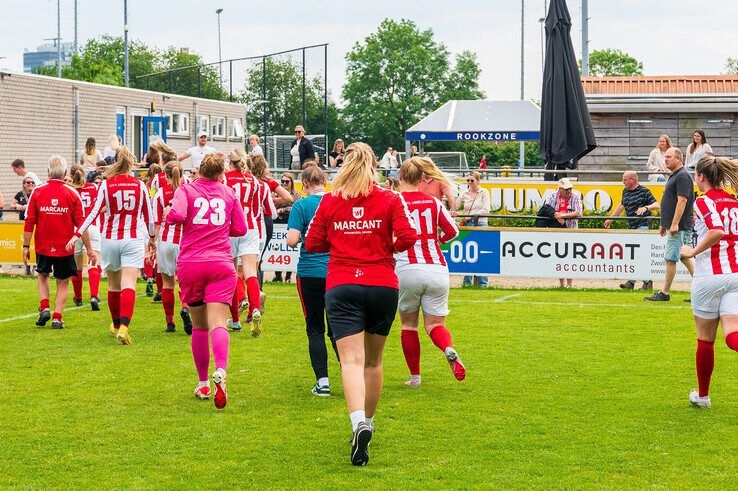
[{"x": 311, "y": 273}]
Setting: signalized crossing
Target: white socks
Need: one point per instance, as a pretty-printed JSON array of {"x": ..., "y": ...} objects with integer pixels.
[
  {"x": 323, "y": 382},
  {"x": 358, "y": 416},
  {"x": 369, "y": 421}
]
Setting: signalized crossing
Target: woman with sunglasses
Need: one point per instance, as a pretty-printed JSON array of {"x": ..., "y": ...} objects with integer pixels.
[
  {"x": 283, "y": 213},
  {"x": 301, "y": 149},
  {"x": 474, "y": 201},
  {"x": 20, "y": 200}
]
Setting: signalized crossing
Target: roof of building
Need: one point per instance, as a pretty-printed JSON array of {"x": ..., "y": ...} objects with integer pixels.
[
  {"x": 662, "y": 84},
  {"x": 476, "y": 117}
]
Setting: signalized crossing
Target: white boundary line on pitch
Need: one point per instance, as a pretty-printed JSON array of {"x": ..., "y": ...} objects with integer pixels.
[
  {"x": 66, "y": 309},
  {"x": 504, "y": 298}
]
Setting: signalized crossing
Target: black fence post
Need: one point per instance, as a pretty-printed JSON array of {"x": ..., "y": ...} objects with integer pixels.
[
  {"x": 171, "y": 87},
  {"x": 230, "y": 80},
  {"x": 325, "y": 95},
  {"x": 264, "y": 104},
  {"x": 304, "y": 111},
  {"x": 199, "y": 81}
]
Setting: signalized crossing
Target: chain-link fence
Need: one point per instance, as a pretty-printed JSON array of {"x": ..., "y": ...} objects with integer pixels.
[{"x": 278, "y": 90}]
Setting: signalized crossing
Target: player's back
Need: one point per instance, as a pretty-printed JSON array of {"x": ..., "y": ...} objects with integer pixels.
[
  {"x": 717, "y": 210},
  {"x": 429, "y": 215},
  {"x": 127, "y": 206}
]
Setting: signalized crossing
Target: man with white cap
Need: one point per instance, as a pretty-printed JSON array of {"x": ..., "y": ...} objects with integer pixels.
[
  {"x": 568, "y": 208},
  {"x": 198, "y": 151}
]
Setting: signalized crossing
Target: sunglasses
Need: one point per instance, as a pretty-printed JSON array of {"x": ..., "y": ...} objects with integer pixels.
[
  {"x": 28, "y": 182},
  {"x": 298, "y": 131},
  {"x": 470, "y": 180}
]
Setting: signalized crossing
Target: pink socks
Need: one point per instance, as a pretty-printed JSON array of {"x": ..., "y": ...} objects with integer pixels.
[
  {"x": 220, "y": 340},
  {"x": 201, "y": 353}
]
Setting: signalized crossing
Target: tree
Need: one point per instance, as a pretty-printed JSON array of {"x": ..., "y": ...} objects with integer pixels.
[
  {"x": 397, "y": 76},
  {"x": 731, "y": 66},
  {"x": 612, "y": 63},
  {"x": 185, "y": 82}
]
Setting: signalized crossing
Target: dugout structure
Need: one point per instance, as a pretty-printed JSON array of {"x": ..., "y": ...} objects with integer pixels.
[
  {"x": 477, "y": 121},
  {"x": 277, "y": 90}
]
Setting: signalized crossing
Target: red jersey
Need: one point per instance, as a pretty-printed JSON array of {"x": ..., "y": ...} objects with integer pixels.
[
  {"x": 170, "y": 234},
  {"x": 360, "y": 234},
  {"x": 250, "y": 193},
  {"x": 269, "y": 209},
  {"x": 88, "y": 195},
  {"x": 717, "y": 210},
  {"x": 429, "y": 215},
  {"x": 54, "y": 209},
  {"x": 233, "y": 177},
  {"x": 159, "y": 180},
  {"x": 128, "y": 207}
]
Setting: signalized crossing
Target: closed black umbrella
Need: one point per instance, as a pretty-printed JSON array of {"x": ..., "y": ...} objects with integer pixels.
[{"x": 566, "y": 128}]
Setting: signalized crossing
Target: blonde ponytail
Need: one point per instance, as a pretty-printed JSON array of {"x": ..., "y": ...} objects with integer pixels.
[
  {"x": 357, "y": 176},
  {"x": 413, "y": 169}
]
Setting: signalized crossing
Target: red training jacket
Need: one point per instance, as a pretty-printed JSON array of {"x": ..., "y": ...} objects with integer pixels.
[
  {"x": 55, "y": 210},
  {"x": 359, "y": 235}
]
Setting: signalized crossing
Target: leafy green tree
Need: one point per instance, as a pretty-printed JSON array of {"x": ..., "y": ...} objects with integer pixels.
[
  {"x": 185, "y": 82},
  {"x": 731, "y": 66},
  {"x": 397, "y": 76},
  {"x": 612, "y": 63}
]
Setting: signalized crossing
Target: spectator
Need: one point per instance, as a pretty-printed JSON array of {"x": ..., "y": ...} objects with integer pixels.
[
  {"x": 91, "y": 159},
  {"x": 474, "y": 201},
  {"x": 254, "y": 145},
  {"x": 696, "y": 150},
  {"x": 392, "y": 184},
  {"x": 114, "y": 141},
  {"x": 283, "y": 214},
  {"x": 301, "y": 148},
  {"x": 676, "y": 220},
  {"x": 151, "y": 157},
  {"x": 389, "y": 159},
  {"x": 656, "y": 161},
  {"x": 335, "y": 158},
  {"x": 20, "y": 200},
  {"x": 483, "y": 162},
  {"x": 198, "y": 151},
  {"x": 54, "y": 211},
  {"x": 637, "y": 201},
  {"x": 413, "y": 151},
  {"x": 568, "y": 208},
  {"x": 19, "y": 167},
  {"x": 438, "y": 190}
]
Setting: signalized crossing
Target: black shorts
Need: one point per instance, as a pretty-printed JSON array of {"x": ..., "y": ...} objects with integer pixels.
[
  {"x": 351, "y": 309},
  {"x": 64, "y": 267}
]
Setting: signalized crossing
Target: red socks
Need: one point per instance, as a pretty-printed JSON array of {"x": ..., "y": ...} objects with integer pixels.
[
  {"x": 159, "y": 283},
  {"x": 56, "y": 316},
  {"x": 705, "y": 361},
  {"x": 94, "y": 277},
  {"x": 114, "y": 306},
  {"x": 441, "y": 337},
  {"x": 44, "y": 304},
  {"x": 167, "y": 301},
  {"x": 235, "y": 317},
  {"x": 77, "y": 285},
  {"x": 240, "y": 290},
  {"x": 148, "y": 269},
  {"x": 127, "y": 302},
  {"x": 254, "y": 293},
  {"x": 732, "y": 341},
  {"x": 411, "y": 350}
]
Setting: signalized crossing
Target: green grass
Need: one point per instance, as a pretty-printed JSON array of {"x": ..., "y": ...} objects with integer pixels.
[{"x": 574, "y": 389}]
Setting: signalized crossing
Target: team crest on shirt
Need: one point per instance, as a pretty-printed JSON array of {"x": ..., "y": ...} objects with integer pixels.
[
  {"x": 54, "y": 202},
  {"x": 358, "y": 212}
]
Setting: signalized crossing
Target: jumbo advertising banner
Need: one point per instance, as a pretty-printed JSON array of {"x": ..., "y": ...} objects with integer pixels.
[
  {"x": 11, "y": 243},
  {"x": 533, "y": 253}
]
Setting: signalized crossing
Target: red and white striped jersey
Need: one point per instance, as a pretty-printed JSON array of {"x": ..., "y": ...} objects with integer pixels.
[
  {"x": 170, "y": 234},
  {"x": 88, "y": 195},
  {"x": 251, "y": 193},
  {"x": 127, "y": 206},
  {"x": 717, "y": 210},
  {"x": 429, "y": 215},
  {"x": 232, "y": 177},
  {"x": 159, "y": 180}
]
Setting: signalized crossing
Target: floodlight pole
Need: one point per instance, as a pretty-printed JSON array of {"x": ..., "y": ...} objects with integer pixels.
[
  {"x": 220, "y": 57},
  {"x": 125, "y": 42},
  {"x": 75, "y": 27},
  {"x": 585, "y": 38},
  {"x": 58, "y": 38},
  {"x": 521, "y": 160}
]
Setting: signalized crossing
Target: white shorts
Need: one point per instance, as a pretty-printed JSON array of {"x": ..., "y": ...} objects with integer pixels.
[
  {"x": 123, "y": 253},
  {"x": 94, "y": 232},
  {"x": 715, "y": 295},
  {"x": 248, "y": 244},
  {"x": 166, "y": 258},
  {"x": 426, "y": 287}
]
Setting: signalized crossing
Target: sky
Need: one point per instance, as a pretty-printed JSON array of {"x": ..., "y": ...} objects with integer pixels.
[{"x": 670, "y": 37}]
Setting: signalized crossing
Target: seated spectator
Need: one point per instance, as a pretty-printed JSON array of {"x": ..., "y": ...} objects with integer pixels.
[
  {"x": 568, "y": 208},
  {"x": 20, "y": 200},
  {"x": 19, "y": 167},
  {"x": 91, "y": 159},
  {"x": 656, "y": 162},
  {"x": 335, "y": 158},
  {"x": 151, "y": 157}
]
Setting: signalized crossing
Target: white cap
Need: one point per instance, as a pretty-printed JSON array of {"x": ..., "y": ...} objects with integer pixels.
[
  {"x": 202, "y": 133},
  {"x": 565, "y": 183}
]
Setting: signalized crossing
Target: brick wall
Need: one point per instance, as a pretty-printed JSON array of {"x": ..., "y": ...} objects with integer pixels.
[{"x": 37, "y": 120}]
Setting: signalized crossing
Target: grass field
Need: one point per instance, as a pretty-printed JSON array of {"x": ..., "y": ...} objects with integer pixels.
[{"x": 574, "y": 389}]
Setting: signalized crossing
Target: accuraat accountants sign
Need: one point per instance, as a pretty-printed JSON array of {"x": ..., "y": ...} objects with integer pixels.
[{"x": 555, "y": 253}]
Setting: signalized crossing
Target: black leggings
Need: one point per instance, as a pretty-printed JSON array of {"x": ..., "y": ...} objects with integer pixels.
[
  {"x": 269, "y": 230},
  {"x": 312, "y": 297}
]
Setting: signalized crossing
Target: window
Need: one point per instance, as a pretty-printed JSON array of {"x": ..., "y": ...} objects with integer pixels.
[
  {"x": 178, "y": 124},
  {"x": 235, "y": 130},
  {"x": 204, "y": 123},
  {"x": 218, "y": 127}
]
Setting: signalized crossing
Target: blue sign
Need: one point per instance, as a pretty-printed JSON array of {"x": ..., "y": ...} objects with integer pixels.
[
  {"x": 472, "y": 136},
  {"x": 474, "y": 252}
]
